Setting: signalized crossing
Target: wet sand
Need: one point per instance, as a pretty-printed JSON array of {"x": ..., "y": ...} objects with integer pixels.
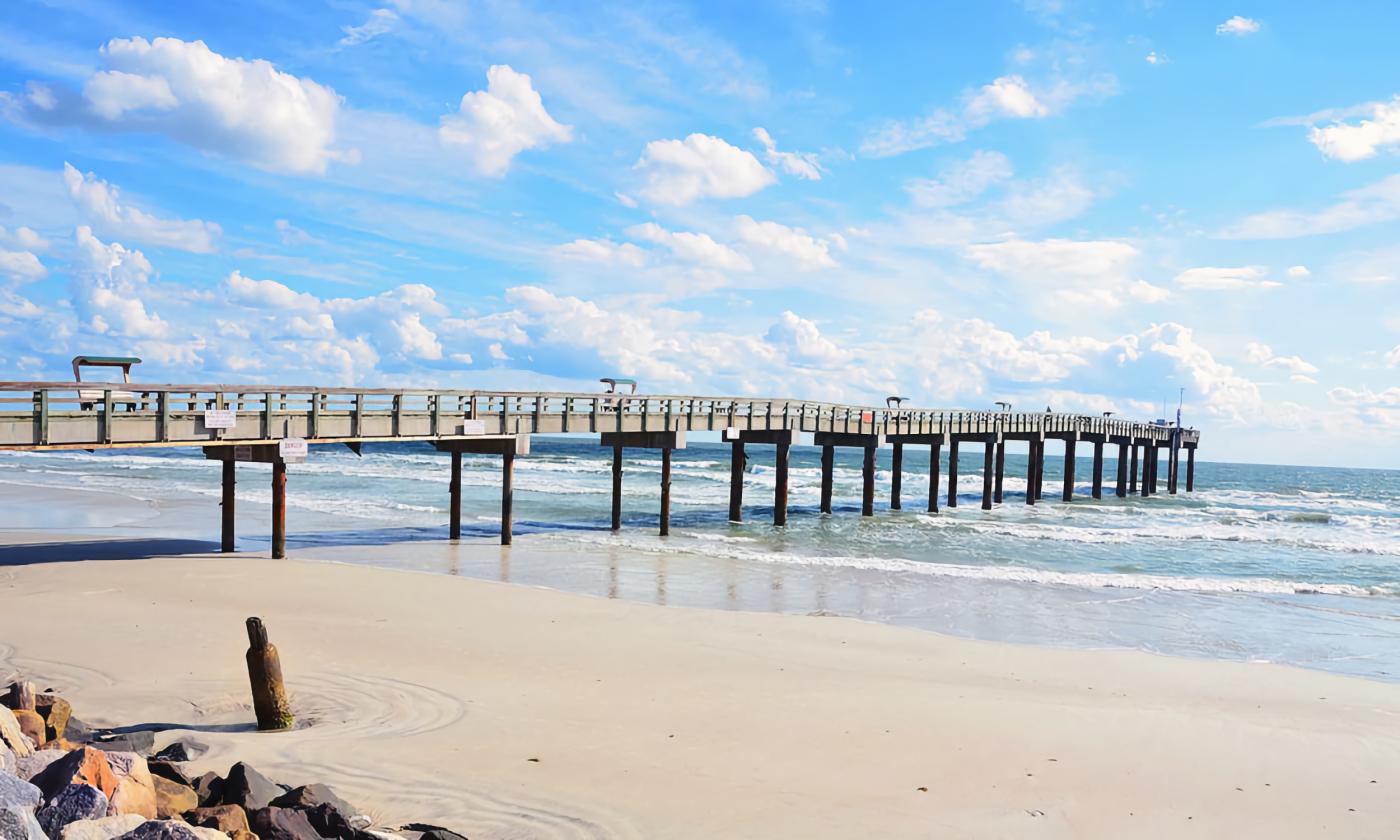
[{"x": 512, "y": 711}]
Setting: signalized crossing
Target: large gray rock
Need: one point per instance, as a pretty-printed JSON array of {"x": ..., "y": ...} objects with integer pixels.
[
  {"x": 249, "y": 788},
  {"x": 34, "y": 764},
  {"x": 20, "y": 824},
  {"x": 162, "y": 830},
  {"x": 73, "y": 803},
  {"x": 17, "y": 793},
  {"x": 282, "y": 824},
  {"x": 141, "y": 741},
  {"x": 103, "y": 829},
  {"x": 8, "y": 760}
]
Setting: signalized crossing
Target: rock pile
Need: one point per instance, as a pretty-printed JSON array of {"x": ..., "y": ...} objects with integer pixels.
[{"x": 63, "y": 780}]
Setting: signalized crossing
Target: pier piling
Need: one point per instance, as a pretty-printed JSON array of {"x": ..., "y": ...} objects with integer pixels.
[
  {"x": 1067, "y": 494},
  {"x": 867, "y": 489},
  {"x": 1031, "y": 461},
  {"x": 265, "y": 678},
  {"x": 896, "y": 474},
  {"x": 1173, "y": 468},
  {"x": 507, "y": 494},
  {"x": 1190, "y": 469},
  {"x": 988, "y": 468},
  {"x": 665, "y": 527},
  {"x": 1040, "y": 469},
  {"x": 1120, "y": 480},
  {"x": 1098, "y": 469},
  {"x": 454, "y": 499},
  {"x": 736, "y": 481},
  {"x": 617, "y": 488},
  {"x": 828, "y": 467},
  {"x": 780, "y": 483},
  {"x": 279, "y": 509},
  {"x": 1000, "y": 470},
  {"x": 1133, "y": 469},
  {"x": 226, "y": 532},
  {"x": 953, "y": 471},
  {"x": 665, "y": 441},
  {"x": 935, "y": 468}
]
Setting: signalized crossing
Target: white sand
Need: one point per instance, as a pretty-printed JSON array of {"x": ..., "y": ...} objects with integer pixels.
[{"x": 429, "y": 694}]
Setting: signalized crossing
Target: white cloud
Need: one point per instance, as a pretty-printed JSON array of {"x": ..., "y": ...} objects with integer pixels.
[
  {"x": 1238, "y": 26},
  {"x": 1369, "y": 205},
  {"x": 801, "y": 164},
  {"x": 962, "y": 181},
  {"x": 268, "y": 294},
  {"x": 1097, "y": 274},
  {"x": 379, "y": 22},
  {"x": 1155, "y": 58},
  {"x": 805, "y": 251},
  {"x": 21, "y": 265},
  {"x": 1263, "y": 354},
  {"x": 109, "y": 283},
  {"x": 243, "y": 109},
  {"x": 700, "y": 166},
  {"x": 1007, "y": 96},
  {"x": 696, "y": 248},
  {"x": 1224, "y": 393},
  {"x": 496, "y": 124},
  {"x": 603, "y": 251},
  {"x": 803, "y": 341},
  {"x": 101, "y": 202},
  {"x": 25, "y": 238},
  {"x": 293, "y": 236},
  {"x": 1298, "y": 271},
  {"x": 1214, "y": 279},
  {"x": 1392, "y": 359},
  {"x": 1350, "y": 142}
]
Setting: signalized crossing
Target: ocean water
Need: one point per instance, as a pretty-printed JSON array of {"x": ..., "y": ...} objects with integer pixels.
[{"x": 1276, "y": 563}]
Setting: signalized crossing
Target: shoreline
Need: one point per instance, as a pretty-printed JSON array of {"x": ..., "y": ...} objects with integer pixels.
[{"x": 688, "y": 723}]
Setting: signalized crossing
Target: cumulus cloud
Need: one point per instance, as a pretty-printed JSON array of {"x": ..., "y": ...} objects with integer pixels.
[
  {"x": 1214, "y": 279},
  {"x": 962, "y": 181},
  {"x": 109, "y": 284},
  {"x": 1353, "y": 141},
  {"x": 101, "y": 202},
  {"x": 21, "y": 265},
  {"x": 496, "y": 124},
  {"x": 795, "y": 245},
  {"x": 1298, "y": 369},
  {"x": 1298, "y": 271},
  {"x": 1369, "y": 205},
  {"x": 1006, "y": 97},
  {"x": 804, "y": 342},
  {"x": 380, "y": 21},
  {"x": 1224, "y": 393},
  {"x": 696, "y": 248},
  {"x": 603, "y": 251},
  {"x": 1238, "y": 26},
  {"x": 1079, "y": 274},
  {"x": 1392, "y": 359},
  {"x": 700, "y": 166},
  {"x": 242, "y": 109},
  {"x": 800, "y": 164}
]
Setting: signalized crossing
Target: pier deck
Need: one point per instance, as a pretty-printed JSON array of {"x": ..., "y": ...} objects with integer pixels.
[{"x": 275, "y": 423}]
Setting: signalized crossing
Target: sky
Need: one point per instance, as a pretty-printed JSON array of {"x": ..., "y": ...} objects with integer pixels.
[{"x": 1092, "y": 206}]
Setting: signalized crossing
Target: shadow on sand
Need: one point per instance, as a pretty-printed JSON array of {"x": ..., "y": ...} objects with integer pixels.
[{"x": 115, "y": 549}]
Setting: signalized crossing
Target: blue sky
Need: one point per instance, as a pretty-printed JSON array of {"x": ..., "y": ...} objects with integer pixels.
[{"x": 1087, "y": 205}]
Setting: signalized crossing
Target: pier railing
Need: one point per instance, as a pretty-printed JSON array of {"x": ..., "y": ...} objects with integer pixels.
[{"x": 73, "y": 415}]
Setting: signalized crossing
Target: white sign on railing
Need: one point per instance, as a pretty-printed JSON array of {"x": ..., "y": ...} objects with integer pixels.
[
  {"x": 220, "y": 418},
  {"x": 292, "y": 450},
  {"x": 473, "y": 427}
]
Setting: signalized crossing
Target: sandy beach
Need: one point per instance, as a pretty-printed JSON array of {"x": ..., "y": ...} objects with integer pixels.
[{"x": 513, "y": 711}]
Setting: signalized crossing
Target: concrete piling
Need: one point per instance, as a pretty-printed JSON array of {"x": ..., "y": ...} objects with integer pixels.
[
  {"x": 896, "y": 474},
  {"x": 736, "y": 481},
  {"x": 953, "y": 471},
  {"x": 828, "y": 468},
  {"x": 1067, "y": 494}
]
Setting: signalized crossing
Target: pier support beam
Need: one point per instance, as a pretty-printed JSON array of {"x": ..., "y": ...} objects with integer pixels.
[
  {"x": 736, "y": 481},
  {"x": 1173, "y": 468},
  {"x": 665, "y": 441},
  {"x": 507, "y": 446},
  {"x": 1190, "y": 469},
  {"x": 1032, "y": 461},
  {"x": 1098, "y": 469},
  {"x": 1156, "y": 465},
  {"x": 953, "y": 471},
  {"x": 1067, "y": 494},
  {"x": 226, "y": 532},
  {"x": 783, "y": 439},
  {"x": 935, "y": 468},
  {"x": 828, "y": 467},
  {"x": 454, "y": 499},
  {"x": 867, "y": 483},
  {"x": 1039, "y": 488},
  {"x": 935, "y": 444},
  {"x": 896, "y": 474},
  {"x": 1000, "y": 470},
  {"x": 988, "y": 468},
  {"x": 1133, "y": 469},
  {"x": 1120, "y": 480}
]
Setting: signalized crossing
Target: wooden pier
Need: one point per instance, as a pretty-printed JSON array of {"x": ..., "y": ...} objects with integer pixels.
[{"x": 276, "y": 425}]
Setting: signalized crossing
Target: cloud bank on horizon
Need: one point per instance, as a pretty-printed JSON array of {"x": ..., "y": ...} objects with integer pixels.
[{"x": 1000, "y": 202}]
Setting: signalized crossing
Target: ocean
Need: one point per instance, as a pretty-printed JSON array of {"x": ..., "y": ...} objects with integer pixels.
[{"x": 1299, "y": 565}]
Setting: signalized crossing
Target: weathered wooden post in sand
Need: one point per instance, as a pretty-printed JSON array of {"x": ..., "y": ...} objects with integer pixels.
[{"x": 265, "y": 674}]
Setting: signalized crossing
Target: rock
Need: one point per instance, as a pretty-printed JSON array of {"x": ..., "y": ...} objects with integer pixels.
[
  {"x": 330, "y": 822},
  {"x": 12, "y": 736},
  {"x": 243, "y": 834},
  {"x": 8, "y": 760},
  {"x": 432, "y": 832},
  {"x": 103, "y": 829},
  {"x": 32, "y": 765},
  {"x": 73, "y": 803},
  {"x": 307, "y": 797},
  {"x": 83, "y": 766},
  {"x": 17, "y": 793},
  {"x": 135, "y": 793},
  {"x": 141, "y": 741},
  {"x": 169, "y": 770},
  {"x": 161, "y": 830},
  {"x": 226, "y": 818},
  {"x": 60, "y": 744},
  {"x": 20, "y": 824},
  {"x": 31, "y": 724},
  {"x": 77, "y": 731},
  {"x": 173, "y": 798},
  {"x": 182, "y": 750},
  {"x": 250, "y": 789},
  {"x": 210, "y": 788},
  {"x": 282, "y": 824},
  {"x": 56, "y": 711}
]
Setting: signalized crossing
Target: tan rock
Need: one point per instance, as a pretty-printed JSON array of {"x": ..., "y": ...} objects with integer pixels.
[
  {"x": 31, "y": 724},
  {"x": 103, "y": 829},
  {"x": 243, "y": 835},
  {"x": 56, "y": 711},
  {"x": 226, "y": 818},
  {"x": 83, "y": 766},
  {"x": 173, "y": 798},
  {"x": 12, "y": 735},
  {"x": 135, "y": 791},
  {"x": 60, "y": 744}
]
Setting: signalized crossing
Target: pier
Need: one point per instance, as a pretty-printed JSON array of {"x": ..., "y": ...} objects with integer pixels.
[{"x": 279, "y": 425}]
